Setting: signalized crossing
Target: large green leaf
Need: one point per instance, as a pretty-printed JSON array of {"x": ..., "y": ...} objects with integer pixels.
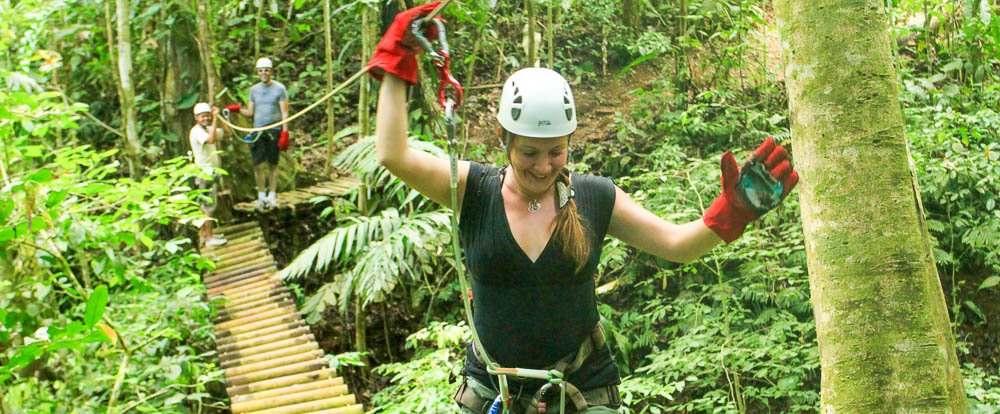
[{"x": 95, "y": 306}]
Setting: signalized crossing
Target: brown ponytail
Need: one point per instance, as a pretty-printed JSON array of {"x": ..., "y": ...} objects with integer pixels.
[{"x": 570, "y": 232}]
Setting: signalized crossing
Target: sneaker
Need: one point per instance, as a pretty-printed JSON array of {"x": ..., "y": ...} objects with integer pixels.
[
  {"x": 215, "y": 241},
  {"x": 272, "y": 203},
  {"x": 260, "y": 205}
]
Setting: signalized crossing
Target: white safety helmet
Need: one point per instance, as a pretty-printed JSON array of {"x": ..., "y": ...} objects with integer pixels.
[
  {"x": 201, "y": 108},
  {"x": 264, "y": 63},
  {"x": 537, "y": 103}
]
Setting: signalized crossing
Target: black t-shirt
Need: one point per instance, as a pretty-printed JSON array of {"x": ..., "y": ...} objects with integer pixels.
[{"x": 532, "y": 314}]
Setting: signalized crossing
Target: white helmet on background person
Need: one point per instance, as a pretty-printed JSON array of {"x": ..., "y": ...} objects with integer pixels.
[
  {"x": 201, "y": 108},
  {"x": 264, "y": 63},
  {"x": 537, "y": 103}
]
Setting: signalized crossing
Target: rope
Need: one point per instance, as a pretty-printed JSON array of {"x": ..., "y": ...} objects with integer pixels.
[
  {"x": 343, "y": 85},
  {"x": 449, "y": 121},
  {"x": 340, "y": 87}
]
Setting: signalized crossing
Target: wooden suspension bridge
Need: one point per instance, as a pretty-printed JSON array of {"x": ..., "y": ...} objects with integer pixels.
[{"x": 272, "y": 362}]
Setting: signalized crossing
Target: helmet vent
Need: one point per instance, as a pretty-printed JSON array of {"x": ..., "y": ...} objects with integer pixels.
[
  {"x": 515, "y": 110},
  {"x": 569, "y": 108}
]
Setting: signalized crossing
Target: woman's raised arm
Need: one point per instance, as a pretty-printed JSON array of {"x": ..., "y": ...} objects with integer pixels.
[{"x": 426, "y": 173}]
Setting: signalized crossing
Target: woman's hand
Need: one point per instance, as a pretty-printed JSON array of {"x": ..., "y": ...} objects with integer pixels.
[
  {"x": 752, "y": 191},
  {"x": 396, "y": 52}
]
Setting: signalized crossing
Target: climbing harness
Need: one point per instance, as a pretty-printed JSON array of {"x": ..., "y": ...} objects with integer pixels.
[{"x": 252, "y": 137}]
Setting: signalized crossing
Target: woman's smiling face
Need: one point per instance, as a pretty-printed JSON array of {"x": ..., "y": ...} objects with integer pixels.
[{"x": 537, "y": 162}]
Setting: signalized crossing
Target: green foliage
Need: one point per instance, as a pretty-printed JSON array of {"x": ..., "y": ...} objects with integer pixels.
[
  {"x": 731, "y": 332},
  {"x": 956, "y": 153},
  {"x": 423, "y": 384},
  {"x": 374, "y": 253},
  {"x": 982, "y": 389},
  {"x": 98, "y": 255},
  {"x": 86, "y": 254}
]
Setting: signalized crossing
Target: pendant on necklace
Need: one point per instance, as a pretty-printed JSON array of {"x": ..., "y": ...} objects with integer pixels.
[{"x": 534, "y": 206}]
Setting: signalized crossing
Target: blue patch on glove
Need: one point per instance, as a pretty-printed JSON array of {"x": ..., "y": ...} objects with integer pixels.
[{"x": 758, "y": 188}]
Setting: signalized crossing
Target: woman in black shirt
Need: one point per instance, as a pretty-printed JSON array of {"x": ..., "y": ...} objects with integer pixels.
[{"x": 533, "y": 232}]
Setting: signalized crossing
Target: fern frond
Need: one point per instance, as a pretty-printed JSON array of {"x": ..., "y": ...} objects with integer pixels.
[
  {"x": 342, "y": 244},
  {"x": 389, "y": 260}
]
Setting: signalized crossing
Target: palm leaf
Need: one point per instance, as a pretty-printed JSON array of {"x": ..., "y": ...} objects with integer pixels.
[
  {"x": 342, "y": 244},
  {"x": 392, "y": 259}
]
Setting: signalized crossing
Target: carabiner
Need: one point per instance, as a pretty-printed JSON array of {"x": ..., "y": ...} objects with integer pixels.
[
  {"x": 543, "y": 405},
  {"x": 445, "y": 79},
  {"x": 442, "y": 59},
  {"x": 416, "y": 29}
]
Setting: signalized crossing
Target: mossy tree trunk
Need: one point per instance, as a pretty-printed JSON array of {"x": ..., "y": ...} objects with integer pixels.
[
  {"x": 885, "y": 341},
  {"x": 181, "y": 68},
  {"x": 631, "y": 12},
  {"x": 364, "y": 120}
]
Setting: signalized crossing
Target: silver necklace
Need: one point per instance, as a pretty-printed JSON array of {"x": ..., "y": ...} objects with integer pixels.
[{"x": 534, "y": 206}]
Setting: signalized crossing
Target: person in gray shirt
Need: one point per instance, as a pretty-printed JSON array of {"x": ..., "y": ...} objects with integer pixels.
[{"x": 268, "y": 105}]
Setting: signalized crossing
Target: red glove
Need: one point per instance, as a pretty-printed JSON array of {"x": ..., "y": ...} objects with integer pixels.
[
  {"x": 234, "y": 107},
  {"x": 394, "y": 54},
  {"x": 730, "y": 213},
  {"x": 283, "y": 140}
]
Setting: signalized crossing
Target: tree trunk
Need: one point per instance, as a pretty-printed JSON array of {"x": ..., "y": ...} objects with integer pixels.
[
  {"x": 361, "y": 337},
  {"x": 328, "y": 36},
  {"x": 881, "y": 321},
  {"x": 549, "y": 37},
  {"x": 122, "y": 61},
  {"x": 206, "y": 48},
  {"x": 531, "y": 44},
  {"x": 366, "y": 50},
  {"x": 181, "y": 70},
  {"x": 256, "y": 29},
  {"x": 630, "y": 13}
]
